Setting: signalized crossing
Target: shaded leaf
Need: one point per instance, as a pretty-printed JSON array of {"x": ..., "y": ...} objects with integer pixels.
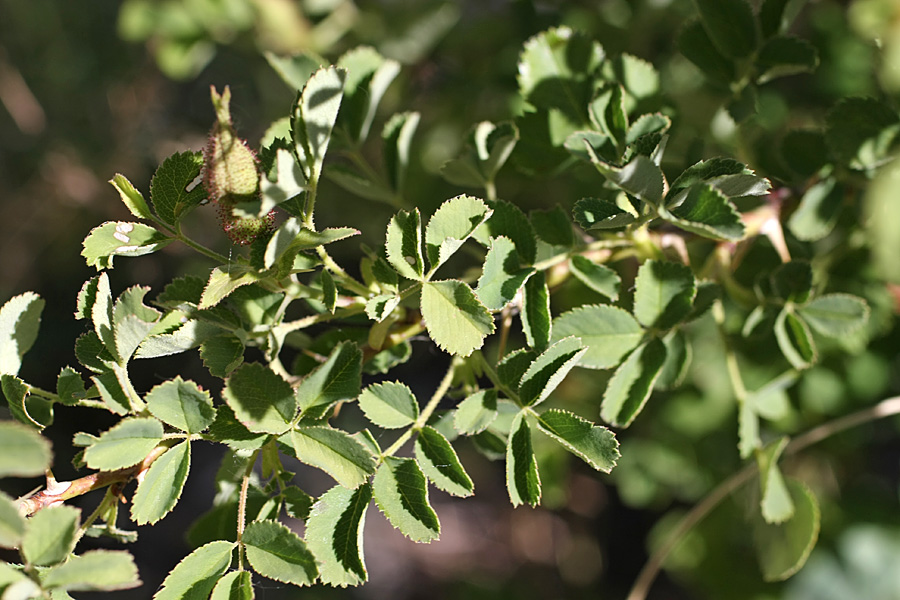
[
  {"x": 197, "y": 573},
  {"x": 776, "y": 505},
  {"x": 97, "y": 570},
  {"x": 631, "y": 384},
  {"x": 664, "y": 293},
  {"x": 522, "y": 479},
  {"x": 400, "y": 490},
  {"x": 730, "y": 24},
  {"x": 169, "y": 192},
  {"x": 836, "y": 315},
  {"x": 23, "y": 452},
  {"x": 599, "y": 213},
  {"x": 535, "y": 315},
  {"x": 236, "y": 585},
  {"x": 278, "y": 553},
  {"x": 783, "y": 549},
  {"x": 795, "y": 340},
  {"x": 162, "y": 484},
  {"x": 704, "y": 210},
  {"x": 501, "y": 277},
  {"x": 548, "y": 370},
  {"x": 334, "y": 532},
  {"x": 595, "y": 445},
  {"x": 608, "y": 332},
  {"x": 599, "y": 278},
  {"x": 260, "y": 398},
  {"x": 475, "y": 413},
  {"x": 335, "y": 452},
  {"x": 50, "y": 535},
  {"x": 439, "y": 462},
  {"x": 451, "y": 225},
  {"x": 338, "y": 378},
  {"x": 403, "y": 244},
  {"x": 120, "y": 238}
]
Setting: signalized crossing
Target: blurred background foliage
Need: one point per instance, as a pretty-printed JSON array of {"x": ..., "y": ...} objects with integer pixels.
[{"x": 91, "y": 89}]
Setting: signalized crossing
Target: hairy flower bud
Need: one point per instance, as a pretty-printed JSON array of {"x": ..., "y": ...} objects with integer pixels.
[{"x": 231, "y": 175}]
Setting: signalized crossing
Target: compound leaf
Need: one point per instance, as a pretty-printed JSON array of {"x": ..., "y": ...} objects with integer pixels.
[
  {"x": 126, "y": 444},
  {"x": 260, "y": 398},
  {"x": 197, "y": 573},
  {"x": 631, "y": 384},
  {"x": 334, "y": 532},
  {"x": 439, "y": 462},
  {"x": 456, "y": 320},
  {"x": 401, "y": 492},
  {"x": 522, "y": 479},
  {"x": 390, "y": 405},
  {"x": 595, "y": 445},
  {"x": 608, "y": 332},
  {"x": 335, "y": 452},
  {"x": 278, "y": 553}
]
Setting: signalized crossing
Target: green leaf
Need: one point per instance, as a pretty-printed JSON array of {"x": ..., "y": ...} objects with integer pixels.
[
  {"x": 861, "y": 132},
  {"x": 25, "y": 408},
  {"x": 97, "y": 570},
  {"x": 284, "y": 180},
  {"x": 169, "y": 193},
  {"x": 50, "y": 535},
  {"x": 487, "y": 149},
  {"x": 776, "y": 505},
  {"x": 276, "y": 552},
  {"x": 508, "y": 220},
  {"x": 730, "y": 24},
  {"x": 403, "y": 243},
  {"x": 23, "y": 452},
  {"x": 131, "y": 197},
  {"x": 595, "y": 445},
  {"x": 120, "y": 238},
  {"x": 556, "y": 69},
  {"x": 785, "y": 55},
  {"x": 607, "y": 112},
  {"x": 804, "y": 152},
  {"x": 390, "y": 405},
  {"x": 818, "y": 211},
  {"x": 225, "y": 280},
  {"x": 12, "y": 524},
  {"x": 354, "y": 182},
  {"x": 535, "y": 315},
  {"x": 159, "y": 490},
  {"x": 450, "y": 226},
  {"x": 314, "y": 116},
  {"x": 20, "y": 319},
  {"x": 641, "y": 177},
  {"x": 334, "y": 532},
  {"x": 401, "y": 492},
  {"x": 881, "y": 213},
  {"x": 631, "y": 384},
  {"x": 338, "y": 378},
  {"x": 598, "y": 213},
  {"x": 112, "y": 391},
  {"x": 297, "y": 503},
  {"x": 608, "y": 332},
  {"x": 132, "y": 321},
  {"x": 783, "y": 549},
  {"x": 678, "y": 358},
  {"x": 792, "y": 281},
  {"x": 696, "y": 45},
  {"x": 294, "y": 69},
  {"x": 368, "y": 76},
  {"x": 198, "y": 572},
  {"x": 748, "y": 430},
  {"x": 836, "y": 315},
  {"x": 599, "y": 278},
  {"x": 335, "y": 452},
  {"x": 261, "y": 400},
  {"x": 475, "y": 413},
  {"x": 222, "y": 354},
  {"x": 236, "y": 585},
  {"x": 396, "y": 143},
  {"x": 126, "y": 444},
  {"x": 795, "y": 340},
  {"x": 706, "y": 211},
  {"x": 522, "y": 479},
  {"x": 441, "y": 465},
  {"x": 664, "y": 294},
  {"x": 292, "y": 237},
  {"x": 181, "y": 404},
  {"x": 552, "y": 226},
  {"x": 512, "y": 367},
  {"x": 548, "y": 370},
  {"x": 776, "y": 16},
  {"x": 189, "y": 335},
  {"x": 227, "y": 430},
  {"x": 456, "y": 320},
  {"x": 502, "y": 277}
]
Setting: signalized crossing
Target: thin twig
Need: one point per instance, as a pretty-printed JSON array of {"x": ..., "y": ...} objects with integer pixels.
[{"x": 646, "y": 577}]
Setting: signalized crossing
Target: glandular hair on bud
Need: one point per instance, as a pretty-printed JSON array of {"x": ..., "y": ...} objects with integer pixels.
[{"x": 231, "y": 174}]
